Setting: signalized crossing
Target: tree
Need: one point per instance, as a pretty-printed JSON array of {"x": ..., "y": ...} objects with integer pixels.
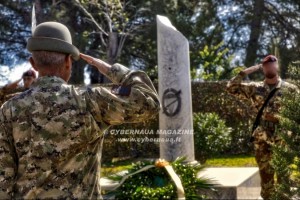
[
  {"x": 110, "y": 26},
  {"x": 136, "y": 37},
  {"x": 197, "y": 21},
  {"x": 125, "y": 31},
  {"x": 255, "y": 32},
  {"x": 13, "y": 31},
  {"x": 106, "y": 29},
  {"x": 251, "y": 26},
  {"x": 214, "y": 63}
]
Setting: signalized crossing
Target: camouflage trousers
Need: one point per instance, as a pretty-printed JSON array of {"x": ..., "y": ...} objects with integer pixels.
[{"x": 263, "y": 140}]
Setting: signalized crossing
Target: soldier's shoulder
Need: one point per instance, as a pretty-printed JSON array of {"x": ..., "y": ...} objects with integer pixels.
[
  {"x": 21, "y": 95},
  {"x": 289, "y": 86},
  {"x": 16, "y": 99}
]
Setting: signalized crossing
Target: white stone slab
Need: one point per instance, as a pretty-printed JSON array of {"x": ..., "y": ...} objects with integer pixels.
[{"x": 234, "y": 183}]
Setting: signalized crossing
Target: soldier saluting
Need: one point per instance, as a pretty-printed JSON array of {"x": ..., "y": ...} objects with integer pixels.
[
  {"x": 28, "y": 78},
  {"x": 265, "y": 96},
  {"x": 51, "y": 135},
  {"x": 12, "y": 89}
]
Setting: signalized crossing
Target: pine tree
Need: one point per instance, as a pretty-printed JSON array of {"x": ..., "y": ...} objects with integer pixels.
[{"x": 286, "y": 155}]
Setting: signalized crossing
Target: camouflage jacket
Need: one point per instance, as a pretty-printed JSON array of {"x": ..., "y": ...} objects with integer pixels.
[
  {"x": 257, "y": 92},
  {"x": 51, "y": 135}
]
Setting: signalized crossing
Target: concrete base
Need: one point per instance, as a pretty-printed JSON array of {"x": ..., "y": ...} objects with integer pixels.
[{"x": 234, "y": 183}]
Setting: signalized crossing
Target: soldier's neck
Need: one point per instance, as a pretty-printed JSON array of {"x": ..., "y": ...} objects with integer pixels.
[
  {"x": 272, "y": 81},
  {"x": 59, "y": 74}
]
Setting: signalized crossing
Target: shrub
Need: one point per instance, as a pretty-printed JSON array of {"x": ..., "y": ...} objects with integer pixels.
[
  {"x": 211, "y": 135},
  {"x": 286, "y": 155}
]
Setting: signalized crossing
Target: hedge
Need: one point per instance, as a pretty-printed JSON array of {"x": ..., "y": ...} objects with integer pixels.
[{"x": 207, "y": 97}]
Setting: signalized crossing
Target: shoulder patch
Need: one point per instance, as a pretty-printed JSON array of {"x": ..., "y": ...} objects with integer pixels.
[{"x": 121, "y": 90}]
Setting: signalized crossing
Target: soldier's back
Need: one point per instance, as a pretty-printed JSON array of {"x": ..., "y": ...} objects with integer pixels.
[{"x": 58, "y": 143}]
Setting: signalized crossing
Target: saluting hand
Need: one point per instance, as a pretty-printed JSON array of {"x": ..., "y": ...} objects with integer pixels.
[
  {"x": 252, "y": 69},
  {"x": 102, "y": 66}
]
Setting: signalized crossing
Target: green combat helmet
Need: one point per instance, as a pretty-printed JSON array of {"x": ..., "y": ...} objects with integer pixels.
[{"x": 52, "y": 36}]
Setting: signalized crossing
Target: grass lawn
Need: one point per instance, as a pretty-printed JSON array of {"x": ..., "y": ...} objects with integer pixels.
[
  {"x": 232, "y": 161},
  {"x": 217, "y": 161}
]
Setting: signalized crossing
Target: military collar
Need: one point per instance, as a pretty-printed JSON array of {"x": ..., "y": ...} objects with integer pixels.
[
  {"x": 278, "y": 84},
  {"x": 46, "y": 80}
]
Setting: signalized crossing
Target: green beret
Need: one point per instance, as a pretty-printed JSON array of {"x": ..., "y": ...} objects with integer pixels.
[{"x": 52, "y": 36}]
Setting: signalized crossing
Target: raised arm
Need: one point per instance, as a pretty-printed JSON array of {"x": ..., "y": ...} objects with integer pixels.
[
  {"x": 242, "y": 90},
  {"x": 131, "y": 99},
  {"x": 13, "y": 85}
]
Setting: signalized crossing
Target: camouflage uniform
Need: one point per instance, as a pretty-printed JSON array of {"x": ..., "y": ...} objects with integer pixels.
[
  {"x": 264, "y": 136},
  {"x": 51, "y": 135}
]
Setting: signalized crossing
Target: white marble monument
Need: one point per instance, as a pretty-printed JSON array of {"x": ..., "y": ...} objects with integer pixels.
[{"x": 175, "y": 118}]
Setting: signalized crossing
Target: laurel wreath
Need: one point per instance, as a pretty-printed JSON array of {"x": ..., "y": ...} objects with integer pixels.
[{"x": 155, "y": 182}]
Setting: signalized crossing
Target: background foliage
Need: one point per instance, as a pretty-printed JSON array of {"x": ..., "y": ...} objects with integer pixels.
[{"x": 125, "y": 31}]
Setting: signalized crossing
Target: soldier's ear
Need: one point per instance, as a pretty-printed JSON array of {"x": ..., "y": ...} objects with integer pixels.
[
  {"x": 33, "y": 64},
  {"x": 68, "y": 61}
]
